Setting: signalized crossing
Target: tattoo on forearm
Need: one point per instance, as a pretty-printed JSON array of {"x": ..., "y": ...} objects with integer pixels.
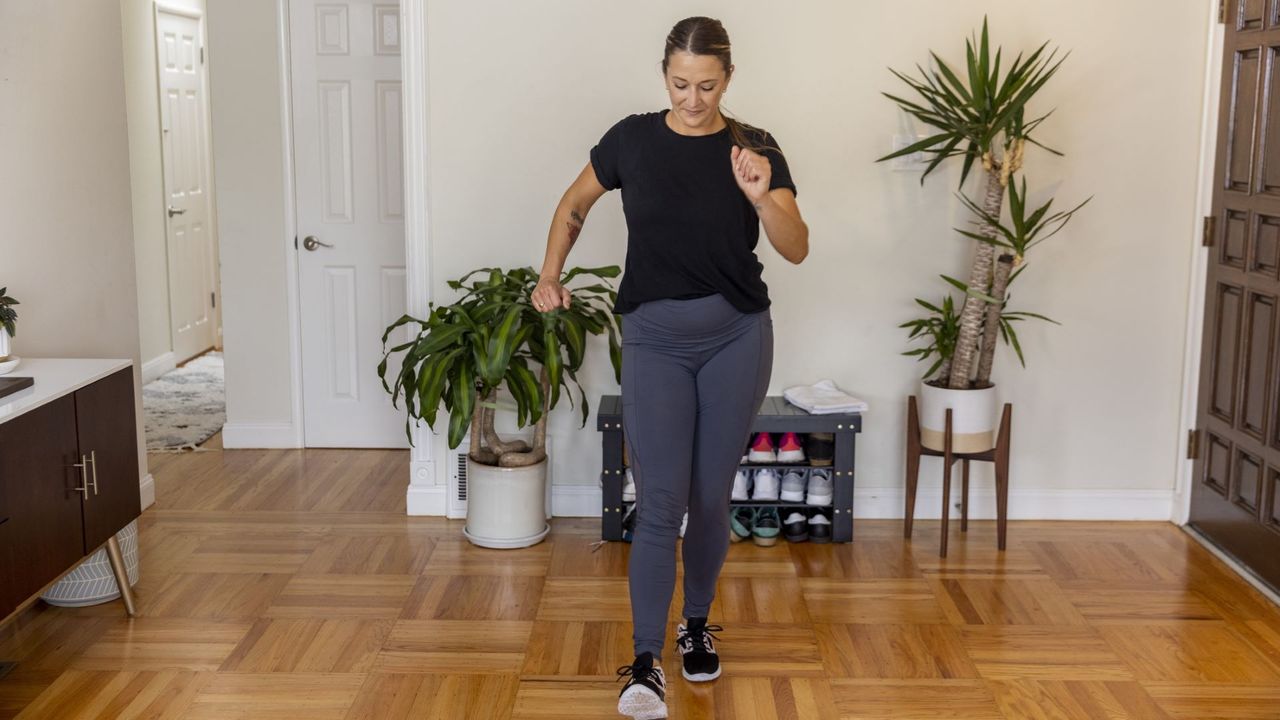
[{"x": 575, "y": 225}]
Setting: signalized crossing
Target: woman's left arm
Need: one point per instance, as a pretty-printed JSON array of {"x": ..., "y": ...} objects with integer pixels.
[{"x": 777, "y": 208}]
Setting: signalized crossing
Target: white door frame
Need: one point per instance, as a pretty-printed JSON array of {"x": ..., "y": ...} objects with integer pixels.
[
  {"x": 425, "y": 494},
  {"x": 1194, "y": 324},
  {"x": 211, "y": 204}
]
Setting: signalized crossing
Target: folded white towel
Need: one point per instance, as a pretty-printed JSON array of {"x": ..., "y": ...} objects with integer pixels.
[{"x": 823, "y": 398}]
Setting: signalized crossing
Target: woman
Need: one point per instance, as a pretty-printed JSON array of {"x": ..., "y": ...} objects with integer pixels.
[{"x": 697, "y": 347}]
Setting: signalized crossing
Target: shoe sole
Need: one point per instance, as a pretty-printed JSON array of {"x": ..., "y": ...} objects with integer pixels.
[
  {"x": 642, "y": 704},
  {"x": 793, "y": 496},
  {"x": 701, "y": 677},
  {"x": 790, "y": 456},
  {"x": 765, "y": 541},
  {"x": 628, "y": 497},
  {"x": 819, "y": 539},
  {"x": 761, "y": 457},
  {"x": 735, "y": 537},
  {"x": 819, "y": 499},
  {"x": 820, "y": 462},
  {"x": 798, "y": 538}
]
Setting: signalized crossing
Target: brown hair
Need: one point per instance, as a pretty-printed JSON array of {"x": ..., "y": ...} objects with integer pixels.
[{"x": 707, "y": 36}]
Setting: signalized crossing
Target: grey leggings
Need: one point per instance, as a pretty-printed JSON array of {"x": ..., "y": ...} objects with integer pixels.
[{"x": 694, "y": 373}]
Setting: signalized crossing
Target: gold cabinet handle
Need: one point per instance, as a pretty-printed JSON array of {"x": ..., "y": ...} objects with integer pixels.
[
  {"x": 93, "y": 458},
  {"x": 84, "y": 476}
]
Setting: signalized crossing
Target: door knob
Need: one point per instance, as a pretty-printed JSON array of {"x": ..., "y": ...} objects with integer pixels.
[
  {"x": 311, "y": 243},
  {"x": 175, "y": 211}
]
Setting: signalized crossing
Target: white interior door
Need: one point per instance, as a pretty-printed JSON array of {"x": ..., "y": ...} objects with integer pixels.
[
  {"x": 184, "y": 146},
  {"x": 348, "y": 168}
]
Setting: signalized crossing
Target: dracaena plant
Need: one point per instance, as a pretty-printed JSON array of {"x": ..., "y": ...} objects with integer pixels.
[
  {"x": 8, "y": 316},
  {"x": 983, "y": 118},
  {"x": 492, "y": 337}
]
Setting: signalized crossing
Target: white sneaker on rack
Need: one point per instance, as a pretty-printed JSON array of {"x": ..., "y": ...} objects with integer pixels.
[
  {"x": 821, "y": 489},
  {"x": 765, "y": 484},
  {"x": 793, "y": 484},
  {"x": 629, "y": 487},
  {"x": 741, "y": 486}
]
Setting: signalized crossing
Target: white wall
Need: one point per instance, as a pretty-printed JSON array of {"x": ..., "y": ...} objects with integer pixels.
[
  {"x": 66, "y": 230},
  {"x": 520, "y": 92},
  {"x": 244, "y": 74}
]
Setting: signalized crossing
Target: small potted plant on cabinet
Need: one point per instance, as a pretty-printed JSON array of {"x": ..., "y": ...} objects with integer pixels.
[{"x": 8, "y": 329}]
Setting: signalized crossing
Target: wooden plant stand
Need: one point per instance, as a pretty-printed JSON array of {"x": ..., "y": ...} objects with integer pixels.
[{"x": 998, "y": 455}]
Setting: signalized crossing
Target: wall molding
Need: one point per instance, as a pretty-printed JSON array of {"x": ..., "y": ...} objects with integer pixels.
[
  {"x": 425, "y": 500},
  {"x": 157, "y": 366},
  {"x": 238, "y": 436},
  {"x": 147, "y": 490},
  {"x": 888, "y": 503}
]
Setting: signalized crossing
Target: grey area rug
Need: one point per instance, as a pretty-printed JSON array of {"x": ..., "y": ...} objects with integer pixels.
[{"x": 185, "y": 406}]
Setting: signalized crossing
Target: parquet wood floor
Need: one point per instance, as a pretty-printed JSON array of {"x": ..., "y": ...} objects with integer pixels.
[{"x": 289, "y": 584}]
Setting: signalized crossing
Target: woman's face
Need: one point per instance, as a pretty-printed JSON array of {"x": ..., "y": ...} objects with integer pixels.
[{"x": 696, "y": 83}]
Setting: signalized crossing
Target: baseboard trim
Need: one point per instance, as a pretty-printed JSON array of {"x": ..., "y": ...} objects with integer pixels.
[
  {"x": 147, "y": 491},
  {"x": 157, "y": 366},
  {"x": 425, "y": 500},
  {"x": 889, "y": 503},
  {"x": 1027, "y": 504},
  {"x": 240, "y": 436},
  {"x": 575, "y": 500}
]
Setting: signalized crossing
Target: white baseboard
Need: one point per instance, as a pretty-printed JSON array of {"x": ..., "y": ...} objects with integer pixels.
[
  {"x": 260, "y": 435},
  {"x": 576, "y": 500},
  {"x": 147, "y": 491},
  {"x": 425, "y": 500},
  {"x": 1028, "y": 504},
  {"x": 888, "y": 503},
  {"x": 157, "y": 366}
]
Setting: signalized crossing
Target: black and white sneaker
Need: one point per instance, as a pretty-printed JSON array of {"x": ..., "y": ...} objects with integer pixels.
[
  {"x": 701, "y": 663},
  {"x": 644, "y": 697}
]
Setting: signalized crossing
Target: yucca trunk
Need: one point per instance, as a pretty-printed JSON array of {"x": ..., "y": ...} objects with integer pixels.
[
  {"x": 999, "y": 283},
  {"x": 538, "y": 453},
  {"x": 973, "y": 314}
]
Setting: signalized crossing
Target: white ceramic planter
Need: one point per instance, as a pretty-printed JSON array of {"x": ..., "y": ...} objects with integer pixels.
[
  {"x": 4, "y": 344},
  {"x": 506, "y": 507},
  {"x": 93, "y": 582},
  {"x": 973, "y": 418}
]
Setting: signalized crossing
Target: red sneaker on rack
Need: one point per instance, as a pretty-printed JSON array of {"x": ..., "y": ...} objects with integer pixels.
[
  {"x": 762, "y": 449},
  {"x": 790, "y": 450}
]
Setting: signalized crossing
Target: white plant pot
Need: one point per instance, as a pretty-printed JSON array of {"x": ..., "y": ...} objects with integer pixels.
[
  {"x": 973, "y": 418},
  {"x": 93, "y": 582},
  {"x": 506, "y": 507},
  {"x": 4, "y": 344}
]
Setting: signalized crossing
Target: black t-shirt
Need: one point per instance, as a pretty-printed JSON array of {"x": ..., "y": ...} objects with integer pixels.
[{"x": 691, "y": 231}]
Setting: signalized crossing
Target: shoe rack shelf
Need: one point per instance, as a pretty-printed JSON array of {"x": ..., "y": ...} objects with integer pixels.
[{"x": 776, "y": 415}]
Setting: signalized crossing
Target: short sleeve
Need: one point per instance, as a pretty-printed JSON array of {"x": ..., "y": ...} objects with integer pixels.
[
  {"x": 605, "y": 157},
  {"x": 781, "y": 177}
]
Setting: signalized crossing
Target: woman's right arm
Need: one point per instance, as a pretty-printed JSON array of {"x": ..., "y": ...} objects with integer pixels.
[{"x": 570, "y": 216}]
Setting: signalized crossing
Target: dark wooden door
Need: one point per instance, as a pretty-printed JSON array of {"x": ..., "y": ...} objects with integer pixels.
[
  {"x": 43, "y": 534},
  {"x": 1234, "y": 495},
  {"x": 108, "y": 436}
]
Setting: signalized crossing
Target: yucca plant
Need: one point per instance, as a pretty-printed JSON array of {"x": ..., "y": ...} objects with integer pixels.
[
  {"x": 491, "y": 337},
  {"x": 982, "y": 118},
  {"x": 1010, "y": 244}
]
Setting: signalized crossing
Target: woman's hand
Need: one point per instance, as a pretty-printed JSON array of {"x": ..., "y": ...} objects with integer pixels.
[
  {"x": 752, "y": 171},
  {"x": 549, "y": 294}
]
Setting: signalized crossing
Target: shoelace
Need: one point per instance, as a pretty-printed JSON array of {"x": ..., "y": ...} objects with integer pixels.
[
  {"x": 702, "y": 637},
  {"x": 640, "y": 672}
]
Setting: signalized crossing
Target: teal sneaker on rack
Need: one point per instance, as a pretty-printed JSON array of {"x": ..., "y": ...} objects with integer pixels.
[
  {"x": 741, "y": 520},
  {"x": 767, "y": 527}
]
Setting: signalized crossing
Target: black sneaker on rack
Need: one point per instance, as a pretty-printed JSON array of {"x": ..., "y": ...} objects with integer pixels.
[
  {"x": 819, "y": 527},
  {"x": 821, "y": 448},
  {"x": 698, "y": 653},
  {"x": 644, "y": 697}
]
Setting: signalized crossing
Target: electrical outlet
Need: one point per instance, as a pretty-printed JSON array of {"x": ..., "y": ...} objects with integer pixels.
[{"x": 915, "y": 162}]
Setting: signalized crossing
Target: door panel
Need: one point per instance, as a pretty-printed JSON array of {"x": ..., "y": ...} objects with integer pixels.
[
  {"x": 348, "y": 164},
  {"x": 106, "y": 425},
  {"x": 1233, "y": 498},
  {"x": 184, "y": 136},
  {"x": 43, "y": 534}
]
